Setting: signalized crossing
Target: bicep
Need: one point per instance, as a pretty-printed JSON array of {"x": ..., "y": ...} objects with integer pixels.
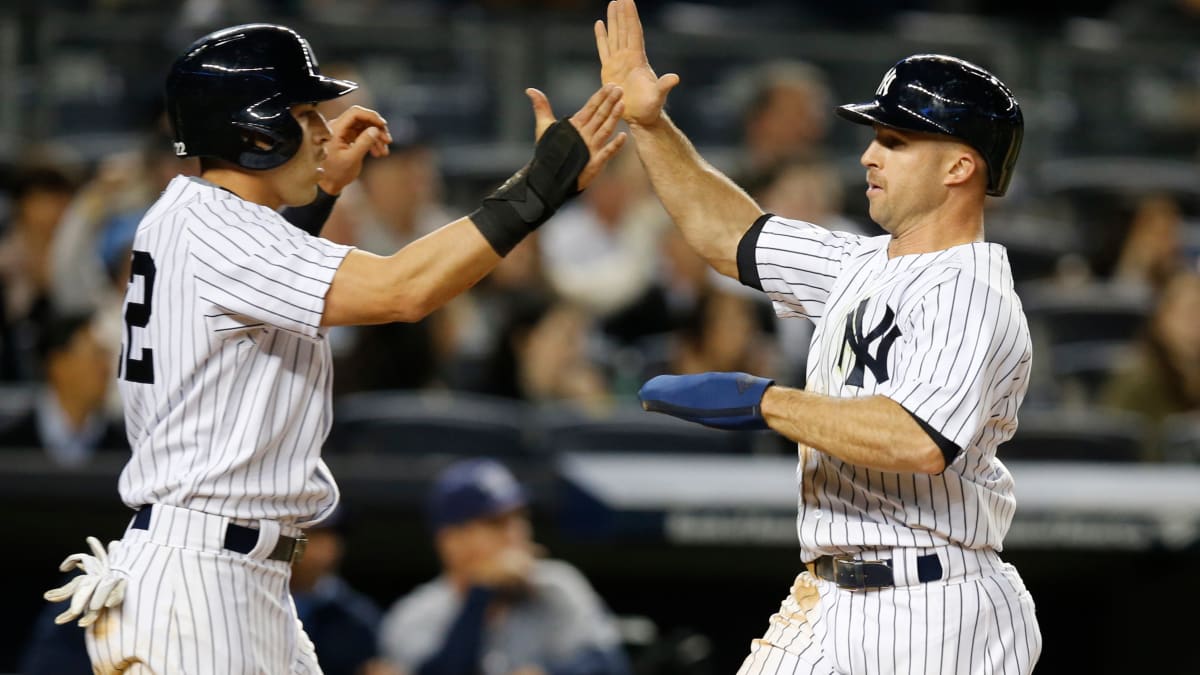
[{"x": 360, "y": 292}]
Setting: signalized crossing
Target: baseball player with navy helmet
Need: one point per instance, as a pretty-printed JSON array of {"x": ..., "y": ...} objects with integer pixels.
[
  {"x": 919, "y": 360},
  {"x": 225, "y": 369}
]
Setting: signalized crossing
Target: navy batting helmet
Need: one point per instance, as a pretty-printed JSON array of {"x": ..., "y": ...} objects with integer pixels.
[
  {"x": 230, "y": 95},
  {"x": 944, "y": 95}
]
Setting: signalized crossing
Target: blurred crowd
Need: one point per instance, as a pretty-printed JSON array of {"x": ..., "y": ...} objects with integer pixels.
[{"x": 605, "y": 296}]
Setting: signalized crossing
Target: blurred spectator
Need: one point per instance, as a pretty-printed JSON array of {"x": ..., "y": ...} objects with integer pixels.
[
  {"x": 1162, "y": 376},
  {"x": 498, "y": 608},
  {"x": 726, "y": 332},
  {"x": 90, "y": 247},
  {"x": 90, "y": 253},
  {"x": 342, "y": 622},
  {"x": 806, "y": 187},
  {"x": 599, "y": 251},
  {"x": 540, "y": 354},
  {"x": 69, "y": 419},
  {"x": 399, "y": 201},
  {"x": 787, "y": 115},
  {"x": 55, "y": 649},
  {"x": 1152, "y": 252},
  {"x": 40, "y": 197}
]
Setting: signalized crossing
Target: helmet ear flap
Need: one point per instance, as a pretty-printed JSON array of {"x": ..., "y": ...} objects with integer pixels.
[{"x": 265, "y": 147}]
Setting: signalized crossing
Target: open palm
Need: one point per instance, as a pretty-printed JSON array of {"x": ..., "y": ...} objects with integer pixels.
[{"x": 623, "y": 62}]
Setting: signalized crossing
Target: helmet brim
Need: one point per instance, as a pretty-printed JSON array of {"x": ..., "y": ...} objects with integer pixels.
[
  {"x": 872, "y": 113},
  {"x": 321, "y": 88}
]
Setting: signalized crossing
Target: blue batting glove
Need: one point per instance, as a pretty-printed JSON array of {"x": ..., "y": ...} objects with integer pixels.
[{"x": 718, "y": 400}]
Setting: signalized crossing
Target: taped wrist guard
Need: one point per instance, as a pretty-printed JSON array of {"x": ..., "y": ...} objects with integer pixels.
[{"x": 534, "y": 193}]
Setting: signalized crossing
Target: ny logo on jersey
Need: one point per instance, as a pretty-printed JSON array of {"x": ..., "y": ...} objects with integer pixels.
[
  {"x": 859, "y": 344},
  {"x": 886, "y": 83}
]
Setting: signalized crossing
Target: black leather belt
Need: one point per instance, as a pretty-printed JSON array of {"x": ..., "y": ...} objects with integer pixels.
[
  {"x": 863, "y": 574},
  {"x": 241, "y": 539}
]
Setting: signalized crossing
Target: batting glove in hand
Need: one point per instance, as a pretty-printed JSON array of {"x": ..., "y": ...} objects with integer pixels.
[
  {"x": 718, "y": 400},
  {"x": 98, "y": 588}
]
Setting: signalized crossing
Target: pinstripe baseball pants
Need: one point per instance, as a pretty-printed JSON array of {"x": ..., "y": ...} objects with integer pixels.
[
  {"x": 978, "y": 619},
  {"x": 193, "y": 607}
]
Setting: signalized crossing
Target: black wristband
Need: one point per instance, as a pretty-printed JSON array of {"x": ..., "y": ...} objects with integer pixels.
[
  {"x": 533, "y": 194},
  {"x": 312, "y": 216}
]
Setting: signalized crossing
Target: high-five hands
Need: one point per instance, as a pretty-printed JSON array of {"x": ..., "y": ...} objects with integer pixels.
[
  {"x": 622, "y": 49},
  {"x": 595, "y": 122}
]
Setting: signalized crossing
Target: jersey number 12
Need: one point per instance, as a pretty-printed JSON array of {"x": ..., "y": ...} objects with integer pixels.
[{"x": 137, "y": 315}]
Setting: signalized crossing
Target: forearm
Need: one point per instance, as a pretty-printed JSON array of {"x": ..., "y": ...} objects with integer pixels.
[
  {"x": 874, "y": 432},
  {"x": 712, "y": 212},
  {"x": 411, "y": 283}
]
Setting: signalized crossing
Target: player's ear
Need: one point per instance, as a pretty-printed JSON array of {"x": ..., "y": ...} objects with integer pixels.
[{"x": 965, "y": 165}]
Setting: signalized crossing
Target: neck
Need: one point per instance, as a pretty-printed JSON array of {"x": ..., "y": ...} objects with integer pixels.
[
  {"x": 937, "y": 230},
  {"x": 245, "y": 185}
]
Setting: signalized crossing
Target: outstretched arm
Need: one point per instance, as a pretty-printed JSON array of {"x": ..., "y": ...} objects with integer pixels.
[
  {"x": 424, "y": 275},
  {"x": 712, "y": 212},
  {"x": 871, "y": 431}
]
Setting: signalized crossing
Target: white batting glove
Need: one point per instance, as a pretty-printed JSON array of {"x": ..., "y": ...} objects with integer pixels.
[{"x": 98, "y": 588}]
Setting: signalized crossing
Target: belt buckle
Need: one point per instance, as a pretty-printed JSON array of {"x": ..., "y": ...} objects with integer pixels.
[
  {"x": 853, "y": 569},
  {"x": 298, "y": 549}
]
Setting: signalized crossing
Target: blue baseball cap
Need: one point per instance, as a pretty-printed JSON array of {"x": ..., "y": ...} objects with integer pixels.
[{"x": 473, "y": 488}]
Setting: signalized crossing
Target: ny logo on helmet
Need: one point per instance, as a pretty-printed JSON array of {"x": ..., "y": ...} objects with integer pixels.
[{"x": 886, "y": 84}]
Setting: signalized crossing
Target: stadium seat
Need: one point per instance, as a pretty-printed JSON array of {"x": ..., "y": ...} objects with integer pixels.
[
  {"x": 441, "y": 423},
  {"x": 1085, "y": 435},
  {"x": 1091, "y": 313},
  {"x": 1180, "y": 438},
  {"x": 631, "y": 429}
]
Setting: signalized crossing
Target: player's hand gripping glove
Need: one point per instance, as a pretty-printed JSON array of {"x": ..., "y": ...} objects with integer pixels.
[
  {"x": 533, "y": 194},
  {"x": 98, "y": 588},
  {"x": 718, "y": 400}
]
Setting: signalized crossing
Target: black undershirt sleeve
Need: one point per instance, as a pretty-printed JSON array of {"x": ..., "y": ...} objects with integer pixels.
[
  {"x": 746, "y": 259},
  {"x": 947, "y": 446}
]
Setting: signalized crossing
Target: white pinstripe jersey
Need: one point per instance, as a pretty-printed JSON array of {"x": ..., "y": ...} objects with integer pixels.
[
  {"x": 944, "y": 335},
  {"x": 225, "y": 371}
]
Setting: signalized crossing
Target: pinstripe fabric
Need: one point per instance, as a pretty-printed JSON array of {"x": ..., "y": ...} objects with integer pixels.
[
  {"x": 240, "y": 403},
  {"x": 226, "y": 379},
  {"x": 944, "y": 335},
  {"x": 193, "y": 607},
  {"x": 979, "y": 620}
]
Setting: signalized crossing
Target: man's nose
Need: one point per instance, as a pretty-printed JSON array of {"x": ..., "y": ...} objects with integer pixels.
[{"x": 870, "y": 156}]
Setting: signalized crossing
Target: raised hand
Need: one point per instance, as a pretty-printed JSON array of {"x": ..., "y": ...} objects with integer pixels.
[
  {"x": 622, "y": 50},
  {"x": 595, "y": 122},
  {"x": 356, "y": 132}
]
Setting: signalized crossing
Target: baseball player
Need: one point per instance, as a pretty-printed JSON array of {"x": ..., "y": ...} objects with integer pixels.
[
  {"x": 225, "y": 369},
  {"x": 919, "y": 359}
]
